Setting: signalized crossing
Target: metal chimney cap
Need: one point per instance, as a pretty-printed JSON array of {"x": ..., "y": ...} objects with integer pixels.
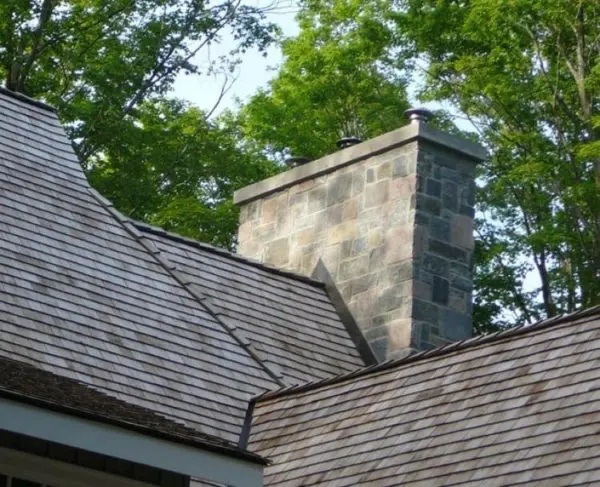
[
  {"x": 347, "y": 142},
  {"x": 416, "y": 115},
  {"x": 296, "y": 161}
]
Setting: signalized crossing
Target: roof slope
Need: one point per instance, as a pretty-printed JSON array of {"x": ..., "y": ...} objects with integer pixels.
[
  {"x": 520, "y": 408},
  {"x": 81, "y": 297},
  {"x": 26, "y": 383},
  {"x": 289, "y": 321}
]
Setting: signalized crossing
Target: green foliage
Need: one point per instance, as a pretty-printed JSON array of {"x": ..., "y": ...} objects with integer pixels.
[
  {"x": 339, "y": 78},
  {"x": 527, "y": 73},
  {"x": 105, "y": 64},
  {"x": 178, "y": 171}
]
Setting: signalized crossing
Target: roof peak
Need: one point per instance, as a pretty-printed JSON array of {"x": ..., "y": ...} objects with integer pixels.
[
  {"x": 434, "y": 352},
  {"x": 26, "y": 99}
]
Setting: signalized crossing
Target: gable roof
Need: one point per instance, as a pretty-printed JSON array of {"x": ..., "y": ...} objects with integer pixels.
[
  {"x": 522, "y": 406},
  {"x": 288, "y": 319}
]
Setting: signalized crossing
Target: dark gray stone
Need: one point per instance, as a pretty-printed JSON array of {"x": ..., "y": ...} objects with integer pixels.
[
  {"x": 421, "y": 219},
  {"x": 376, "y": 332},
  {"x": 424, "y": 311},
  {"x": 420, "y": 183},
  {"x": 428, "y": 204},
  {"x": 455, "y": 325},
  {"x": 400, "y": 167},
  {"x": 441, "y": 290},
  {"x": 435, "y": 265},
  {"x": 460, "y": 270},
  {"x": 450, "y": 196},
  {"x": 317, "y": 199},
  {"x": 363, "y": 283},
  {"x": 448, "y": 251},
  {"x": 370, "y": 175},
  {"x": 440, "y": 229},
  {"x": 450, "y": 175},
  {"x": 467, "y": 210},
  {"x": 433, "y": 188},
  {"x": 462, "y": 284},
  {"x": 437, "y": 172},
  {"x": 379, "y": 348},
  {"x": 339, "y": 190}
]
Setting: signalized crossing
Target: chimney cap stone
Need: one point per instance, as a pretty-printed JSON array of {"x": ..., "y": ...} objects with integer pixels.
[{"x": 416, "y": 115}]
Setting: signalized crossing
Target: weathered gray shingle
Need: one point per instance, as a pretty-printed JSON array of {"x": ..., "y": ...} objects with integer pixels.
[
  {"x": 522, "y": 407},
  {"x": 80, "y": 297},
  {"x": 289, "y": 320}
]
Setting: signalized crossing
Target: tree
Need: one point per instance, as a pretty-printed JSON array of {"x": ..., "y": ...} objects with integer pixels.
[
  {"x": 178, "y": 170},
  {"x": 106, "y": 66},
  {"x": 96, "y": 60},
  {"x": 527, "y": 74},
  {"x": 339, "y": 78}
]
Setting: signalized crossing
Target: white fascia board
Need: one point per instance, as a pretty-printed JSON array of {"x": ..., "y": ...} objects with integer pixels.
[{"x": 106, "y": 439}]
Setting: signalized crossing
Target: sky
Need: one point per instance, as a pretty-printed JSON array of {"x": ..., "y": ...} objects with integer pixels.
[{"x": 254, "y": 72}]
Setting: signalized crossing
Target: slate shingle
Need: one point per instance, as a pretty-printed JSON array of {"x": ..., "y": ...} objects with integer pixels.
[
  {"x": 290, "y": 320},
  {"x": 521, "y": 407},
  {"x": 80, "y": 297}
]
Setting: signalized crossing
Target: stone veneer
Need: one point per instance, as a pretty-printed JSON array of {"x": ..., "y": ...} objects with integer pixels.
[{"x": 392, "y": 220}]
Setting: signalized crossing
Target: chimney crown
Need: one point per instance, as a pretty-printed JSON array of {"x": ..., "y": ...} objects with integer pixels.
[{"x": 416, "y": 115}]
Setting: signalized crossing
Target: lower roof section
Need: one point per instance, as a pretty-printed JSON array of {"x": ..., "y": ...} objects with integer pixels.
[
  {"x": 105, "y": 439},
  {"x": 519, "y": 407}
]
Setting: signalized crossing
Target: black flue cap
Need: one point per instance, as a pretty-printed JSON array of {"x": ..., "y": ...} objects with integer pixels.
[
  {"x": 294, "y": 161},
  {"x": 347, "y": 142}
]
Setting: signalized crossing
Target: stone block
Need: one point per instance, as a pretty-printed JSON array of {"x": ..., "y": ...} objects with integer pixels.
[
  {"x": 450, "y": 175},
  {"x": 353, "y": 268},
  {"x": 376, "y": 332},
  {"x": 377, "y": 194},
  {"x": 339, "y": 189},
  {"x": 447, "y": 251},
  {"x": 263, "y": 233},
  {"x": 384, "y": 171},
  {"x": 421, "y": 290},
  {"x": 403, "y": 188},
  {"x": 467, "y": 210},
  {"x": 435, "y": 264},
  {"x": 457, "y": 301},
  {"x": 440, "y": 229},
  {"x": 268, "y": 211},
  {"x": 245, "y": 231},
  {"x": 393, "y": 298},
  {"x": 462, "y": 283},
  {"x": 329, "y": 218},
  {"x": 441, "y": 290},
  {"x": 433, "y": 188},
  {"x": 450, "y": 196},
  {"x": 380, "y": 348},
  {"x": 399, "y": 334},
  {"x": 374, "y": 238},
  {"x": 347, "y": 230},
  {"x": 425, "y": 311},
  {"x": 455, "y": 325},
  {"x": 278, "y": 252},
  {"x": 462, "y": 231},
  {"x": 363, "y": 283},
  {"x": 395, "y": 274},
  {"x": 303, "y": 237},
  {"x": 400, "y": 167},
  {"x": 317, "y": 199},
  {"x": 370, "y": 175},
  {"x": 358, "y": 182},
  {"x": 428, "y": 204},
  {"x": 460, "y": 270}
]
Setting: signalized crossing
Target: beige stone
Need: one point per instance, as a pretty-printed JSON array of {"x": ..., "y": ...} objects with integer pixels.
[
  {"x": 462, "y": 231},
  {"x": 344, "y": 231},
  {"x": 268, "y": 211},
  {"x": 303, "y": 237},
  {"x": 277, "y": 253},
  {"x": 377, "y": 194},
  {"x": 350, "y": 210},
  {"x": 399, "y": 332},
  {"x": 384, "y": 170}
]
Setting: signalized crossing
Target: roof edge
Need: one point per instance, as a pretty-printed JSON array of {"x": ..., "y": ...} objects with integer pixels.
[
  {"x": 145, "y": 227},
  {"x": 435, "y": 352},
  {"x": 217, "y": 446},
  {"x": 26, "y": 99}
]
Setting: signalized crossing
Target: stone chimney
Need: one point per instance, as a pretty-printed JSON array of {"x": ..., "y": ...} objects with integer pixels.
[{"x": 392, "y": 221}]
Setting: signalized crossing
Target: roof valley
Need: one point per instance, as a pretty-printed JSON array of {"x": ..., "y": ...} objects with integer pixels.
[{"x": 189, "y": 286}]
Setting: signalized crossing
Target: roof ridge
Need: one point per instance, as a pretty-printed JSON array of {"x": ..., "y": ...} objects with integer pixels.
[
  {"x": 225, "y": 253},
  {"x": 189, "y": 286},
  {"x": 24, "y": 98},
  {"x": 434, "y": 352}
]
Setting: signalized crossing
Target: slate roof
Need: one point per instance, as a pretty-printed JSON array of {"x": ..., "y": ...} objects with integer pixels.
[
  {"x": 518, "y": 407},
  {"x": 288, "y": 320},
  {"x": 26, "y": 383}
]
